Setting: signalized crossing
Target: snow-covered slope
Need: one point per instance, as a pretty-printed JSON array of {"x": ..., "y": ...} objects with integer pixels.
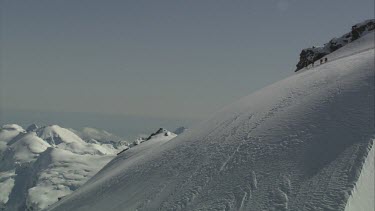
[
  {"x": 363, "y": 195},
  {"x": 299, "y": 144},
  {"x": 142, "y": 149},
  {"x": 61, "y": 172},
  {"x": 40, "y": 165}
]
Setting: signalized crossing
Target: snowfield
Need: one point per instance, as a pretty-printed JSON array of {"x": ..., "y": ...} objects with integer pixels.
[
  {"x": 363, "y": 195},
  {"x": 300, "y": 144}
]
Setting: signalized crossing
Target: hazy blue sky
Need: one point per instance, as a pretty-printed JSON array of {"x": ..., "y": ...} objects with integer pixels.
[{"x": 165, "y": 59}]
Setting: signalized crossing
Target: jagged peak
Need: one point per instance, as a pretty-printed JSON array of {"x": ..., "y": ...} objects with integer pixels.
[
  {"x": 163, "y": 131},
  {"x": 31, "y": 128}
]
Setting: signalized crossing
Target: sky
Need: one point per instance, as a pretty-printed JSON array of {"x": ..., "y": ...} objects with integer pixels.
[{"x": 177, "y": 60}]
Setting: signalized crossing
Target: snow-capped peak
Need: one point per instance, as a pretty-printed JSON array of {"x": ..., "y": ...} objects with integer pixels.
[{"x": 55, "y": 135}]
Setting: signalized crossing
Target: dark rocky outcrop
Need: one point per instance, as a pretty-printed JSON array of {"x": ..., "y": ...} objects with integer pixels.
[
  {"x": 310, "y": 55},
  {"x": 180, "y": 130},
  {"x": 161, "y": 130},
  {"x": 32, "y": 128}
]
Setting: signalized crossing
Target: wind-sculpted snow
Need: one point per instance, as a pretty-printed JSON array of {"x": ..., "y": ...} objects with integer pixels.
[
  {"x": 298, "y": 144},
  {"x": 363, "y": 195}
]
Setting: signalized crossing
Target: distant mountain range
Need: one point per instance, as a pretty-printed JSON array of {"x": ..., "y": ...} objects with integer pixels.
[{"x": 40, "y": 165}]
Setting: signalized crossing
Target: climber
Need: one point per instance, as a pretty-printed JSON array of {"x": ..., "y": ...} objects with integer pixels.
[
  {"x": 321, "y": 61},
  {"x": 325, "y": 60}
]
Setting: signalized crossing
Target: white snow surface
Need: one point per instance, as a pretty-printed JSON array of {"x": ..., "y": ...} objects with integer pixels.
[
  {"x": 13, "y": 127},
  {"x": 41, "y": 165},
  {"x": 7, "y": 133},
  {"x": 299, "y": 144},
  {"x": 63, "y": 172},
  {"x": 6, "y": 185},
  {"x": 363, "y": 195}
]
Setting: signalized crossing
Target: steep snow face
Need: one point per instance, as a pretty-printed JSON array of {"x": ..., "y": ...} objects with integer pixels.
[
  {"x": 298, "y": 144},
  {"x": 40, "y": 165},
  {"x": 363, "y": 195}
]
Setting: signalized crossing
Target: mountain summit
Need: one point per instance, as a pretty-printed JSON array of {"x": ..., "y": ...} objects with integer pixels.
[{"x": 310, "y": 55}]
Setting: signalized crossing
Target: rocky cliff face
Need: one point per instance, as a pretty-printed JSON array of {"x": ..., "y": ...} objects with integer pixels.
[{"x": 310, "y": 55}]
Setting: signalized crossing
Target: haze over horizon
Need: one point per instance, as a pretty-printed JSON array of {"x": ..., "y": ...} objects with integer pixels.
[{"x": 171, "y": 60}]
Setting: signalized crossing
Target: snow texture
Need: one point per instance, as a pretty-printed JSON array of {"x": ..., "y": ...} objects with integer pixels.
[
  {"x": 298, "y": 144},
  {"x": 363, "y": 195}
]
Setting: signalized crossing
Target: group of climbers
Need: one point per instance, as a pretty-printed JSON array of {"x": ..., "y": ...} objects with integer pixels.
[
  {"x": 325, "y": 60},
  {"x": 322, "y": 61}
]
